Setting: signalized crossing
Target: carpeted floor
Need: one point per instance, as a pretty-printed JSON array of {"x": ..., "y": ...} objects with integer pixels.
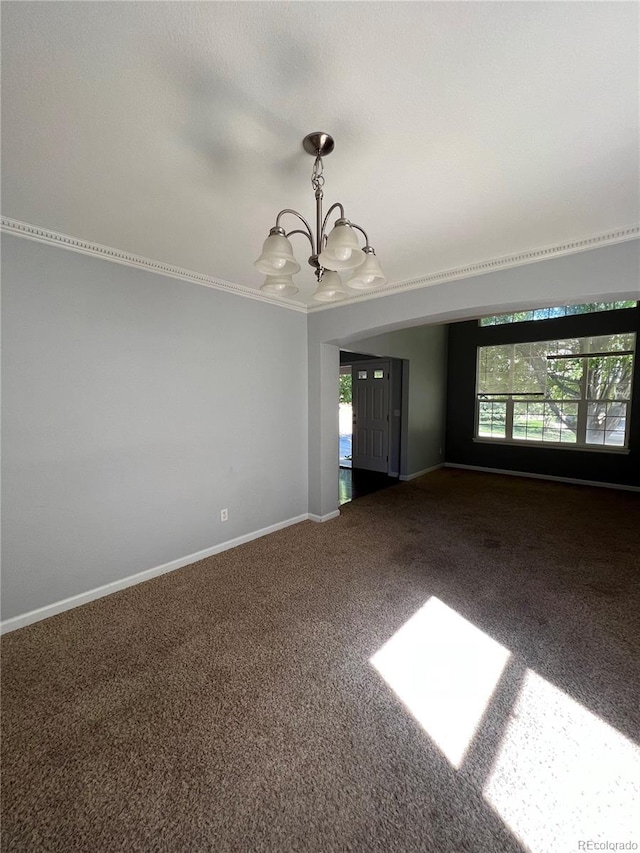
[{"x": 232, "y": 704}]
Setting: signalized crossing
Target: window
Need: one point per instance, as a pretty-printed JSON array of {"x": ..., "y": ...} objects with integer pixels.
[
  {"x": 552, "y": 313},
  {"x": 571, "y": 392}
]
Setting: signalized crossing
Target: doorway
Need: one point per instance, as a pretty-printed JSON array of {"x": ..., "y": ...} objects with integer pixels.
[{"x": 366, "y": 442}]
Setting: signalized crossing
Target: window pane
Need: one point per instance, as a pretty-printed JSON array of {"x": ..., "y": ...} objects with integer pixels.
[
  {"x": 564, "y": 377},
  {"x": 494, "y": 369},
  {"x": 491, "y": 419},
  {"x": 541, "y": 314},
  {"x": 552, "y": 422},
  {"x": 559, "y": 312},
  {"x": 512, "y": 369},
  {"x": 362, "y": 374},
  {"x": 606, "y": 423},
  {"x": 529, "y": 369},
  {"x": 609, "y": 377},
  {"x": 528, "y": 421},
  {"x": 378, "y": 374}
]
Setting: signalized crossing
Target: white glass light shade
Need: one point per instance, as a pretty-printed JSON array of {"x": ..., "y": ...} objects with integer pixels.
[
  {"x": 368, "y": 275},
  {"x": 331, "y": 288},
  {"x": 342, "y": 251},
  {"x": 277, "y": 257},
  {"x": 280, "y": 285}
]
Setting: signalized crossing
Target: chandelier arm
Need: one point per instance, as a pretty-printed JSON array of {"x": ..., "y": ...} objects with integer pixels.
[
  {"x": 306, "y": 234},
  {"x": 362, "y": 231},
  {"x": 300, "y": 217},
  {"x": 332, "y": 208}
]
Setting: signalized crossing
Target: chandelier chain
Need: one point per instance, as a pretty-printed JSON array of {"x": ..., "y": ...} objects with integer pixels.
[{"x": 317, "y": 177}]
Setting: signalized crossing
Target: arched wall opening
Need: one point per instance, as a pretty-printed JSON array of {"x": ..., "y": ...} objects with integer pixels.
[{"x": 609, "y": 273}]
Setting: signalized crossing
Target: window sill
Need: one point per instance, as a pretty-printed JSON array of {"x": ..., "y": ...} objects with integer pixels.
[{"x": 549, "y": 445}]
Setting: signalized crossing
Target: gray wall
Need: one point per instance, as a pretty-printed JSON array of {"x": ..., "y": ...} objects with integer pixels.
[
  {"x": 135, "y": 408},
  {"x": 425, "y": 348},
  {"x": 607, "y": 273}
]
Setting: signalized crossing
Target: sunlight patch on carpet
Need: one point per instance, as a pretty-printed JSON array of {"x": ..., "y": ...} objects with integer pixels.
[
  {"x": 445, "y": 670},
  {"x": 562, "y": 775}
]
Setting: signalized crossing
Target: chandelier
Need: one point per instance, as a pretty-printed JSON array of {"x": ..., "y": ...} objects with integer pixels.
[{"x": 338, "y": 252}]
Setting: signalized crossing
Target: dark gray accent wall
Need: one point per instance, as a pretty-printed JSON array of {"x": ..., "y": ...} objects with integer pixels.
[{"x": 464, "y": 340}]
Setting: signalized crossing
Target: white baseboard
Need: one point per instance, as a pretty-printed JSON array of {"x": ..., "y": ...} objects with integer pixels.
[
  {"x": 543, "y": 477},
  {"x": 99, "y": 592},
  {"x": 321, "y": 518},
  {"x": 406, "y": 477}
]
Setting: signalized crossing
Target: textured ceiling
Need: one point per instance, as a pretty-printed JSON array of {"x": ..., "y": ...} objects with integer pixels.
[{"x": 464, "y": 131}]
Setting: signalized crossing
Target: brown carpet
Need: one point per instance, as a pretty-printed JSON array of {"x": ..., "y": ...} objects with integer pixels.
[{"x": 231, "y": 705}]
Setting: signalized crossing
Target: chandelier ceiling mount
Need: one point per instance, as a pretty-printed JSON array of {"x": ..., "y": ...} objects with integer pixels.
[{"x": 318, "y": 144}]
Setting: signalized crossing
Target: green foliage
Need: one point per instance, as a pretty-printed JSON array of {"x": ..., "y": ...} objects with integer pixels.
[
  {"x": 551, "y": 313},
  {"x": 559, "y": 373},
  {"x": 345, "y": 388}
]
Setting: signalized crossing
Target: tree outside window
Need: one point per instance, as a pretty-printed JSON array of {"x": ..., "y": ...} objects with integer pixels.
[{"x": 575, "y": 391}]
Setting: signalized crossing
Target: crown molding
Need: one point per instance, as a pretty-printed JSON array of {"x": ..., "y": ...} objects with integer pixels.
[
  {"x": 619, "y": 235},
  {"x": 84, "y": 247},
  {"x": 44, "y": 235}
]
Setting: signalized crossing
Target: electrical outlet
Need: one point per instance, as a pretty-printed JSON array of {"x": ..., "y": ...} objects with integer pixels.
[{"x": 224, "y": 515}]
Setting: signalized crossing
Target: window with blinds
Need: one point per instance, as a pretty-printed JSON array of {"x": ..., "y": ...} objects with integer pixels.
[{"x": 570, "y": 392}]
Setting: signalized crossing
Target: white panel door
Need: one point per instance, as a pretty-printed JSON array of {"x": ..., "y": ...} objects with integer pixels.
[{"x": 370, "y": 386}]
